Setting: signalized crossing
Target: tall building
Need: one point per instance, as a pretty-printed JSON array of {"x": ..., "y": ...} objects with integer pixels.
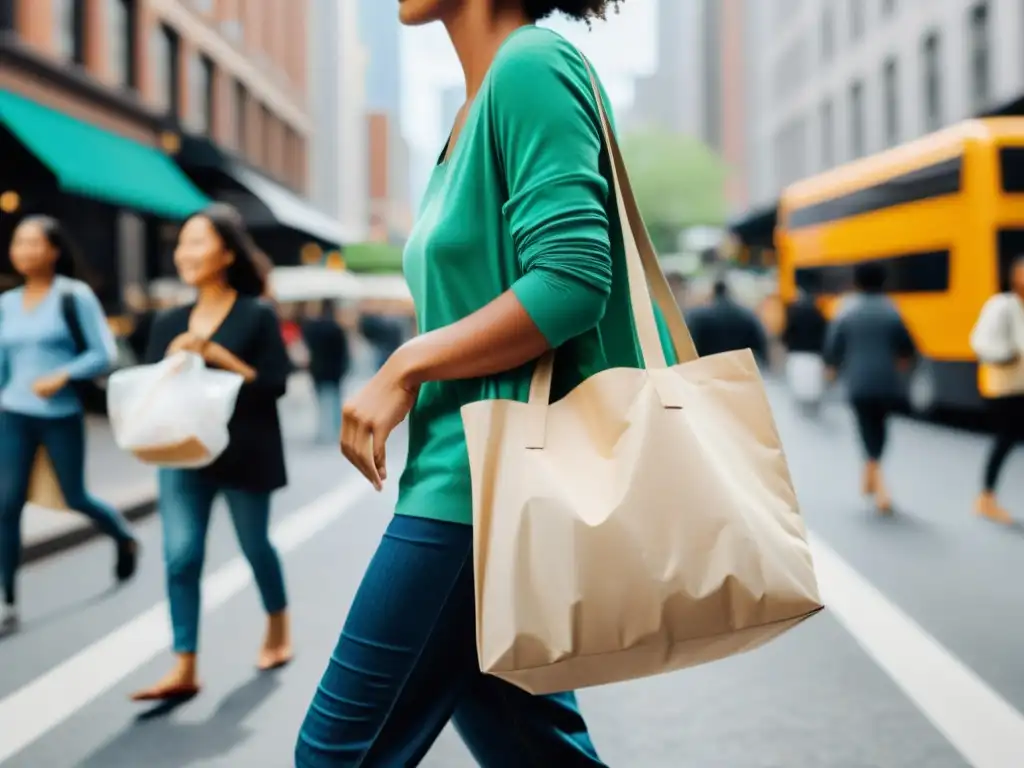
[
  {"x": 167, "y": 105},
  {"x": 337, "y": 162},
  {"x": 846, "y": 79},
  {"x": 389, "y": 183},
  {"x": 699, "y": 86}
]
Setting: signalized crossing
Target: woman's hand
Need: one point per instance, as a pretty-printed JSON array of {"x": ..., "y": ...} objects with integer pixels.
[
  {"x": 369, "y": 418},
  {"x": 186, "y": 342},
  {"x": 216, "y": 355},
  {"x": 49, "y": 385}
]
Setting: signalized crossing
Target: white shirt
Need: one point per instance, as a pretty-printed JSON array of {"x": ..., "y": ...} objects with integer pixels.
[{"x": 998, "y": 336}]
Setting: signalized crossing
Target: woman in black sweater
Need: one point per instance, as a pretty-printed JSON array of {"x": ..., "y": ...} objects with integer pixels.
[{"x": 234, "y": 330}]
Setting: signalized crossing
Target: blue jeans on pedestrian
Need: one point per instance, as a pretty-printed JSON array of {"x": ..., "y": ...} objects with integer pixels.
[
  {"x": 64, "y": 441},
  {"x": 406, "y": 664},
  {"x": 186, "y": 498},
  {"x": 328, "y": 397}
]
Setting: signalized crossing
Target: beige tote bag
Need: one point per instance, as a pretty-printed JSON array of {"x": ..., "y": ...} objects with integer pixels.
[
  {"x": 43, "y": 486},
  {"x": 644, "y": 523}
]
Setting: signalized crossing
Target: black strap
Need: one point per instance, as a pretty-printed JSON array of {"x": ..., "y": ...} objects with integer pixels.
[{"x": 69, "y": 309}]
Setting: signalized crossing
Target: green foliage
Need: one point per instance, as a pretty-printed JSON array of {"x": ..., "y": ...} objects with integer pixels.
[
  {"x": 679, "y": 182},
  {"x": 373, "y": 257}
]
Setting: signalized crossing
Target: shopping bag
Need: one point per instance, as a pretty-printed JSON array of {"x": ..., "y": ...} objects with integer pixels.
[
  {"x": 1006, "y": 380},
  {"x": 174, "y": 413},
  {"x": 646, "y": 522},
  {"x": 805, "y": 374},
  {"x": 43, "y": 486}
]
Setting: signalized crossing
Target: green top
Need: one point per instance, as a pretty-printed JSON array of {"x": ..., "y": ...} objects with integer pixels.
[{"x": 523, "y": 203}]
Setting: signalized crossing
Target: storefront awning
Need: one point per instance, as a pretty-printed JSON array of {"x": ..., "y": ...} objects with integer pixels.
[
  {"x": 286, "y": 208},
  {"x": 94, "y": 163}
]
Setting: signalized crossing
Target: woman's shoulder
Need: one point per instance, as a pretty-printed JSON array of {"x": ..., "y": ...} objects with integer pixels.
[
  {"x": 81, "y": 290},
  {"x": 537, "y": 56},
  {"x": 172, "y": 318}
]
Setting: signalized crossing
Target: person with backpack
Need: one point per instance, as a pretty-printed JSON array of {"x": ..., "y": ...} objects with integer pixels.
[{"x": 54, "y": 339}]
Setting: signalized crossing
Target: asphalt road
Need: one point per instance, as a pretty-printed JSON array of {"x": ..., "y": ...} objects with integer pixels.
[{"x": 845, "y": 690}]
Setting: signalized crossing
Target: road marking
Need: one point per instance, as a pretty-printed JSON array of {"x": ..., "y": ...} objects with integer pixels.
[
  {"x": 46, "y": 702},
  {"x": 982, "y": 726}
]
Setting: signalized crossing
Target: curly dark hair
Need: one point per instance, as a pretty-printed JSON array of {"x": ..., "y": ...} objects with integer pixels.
[
  {"x": 249, "y": 271},
  {"x": 580, "y": 10}
]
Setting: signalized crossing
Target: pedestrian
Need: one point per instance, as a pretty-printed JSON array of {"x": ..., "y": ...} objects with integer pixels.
[
  {"x": 234, "y": 330},
  {"x": 869, "y": 347},
  {"x": 804, "y": 339},
  {"x": 512, "y": 255},
  {"x": 998, "y": 341},
  {"x": 724, "y": 325},
  {"x": 41, "y": 359},
  {"x": 327, "y": 343}
]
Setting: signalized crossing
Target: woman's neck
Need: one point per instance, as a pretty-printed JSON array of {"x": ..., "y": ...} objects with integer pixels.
[
  {"x": 477, "y": 31},
  {"x": 215, "y": 293},
  {"x": 39, "y": 283}
]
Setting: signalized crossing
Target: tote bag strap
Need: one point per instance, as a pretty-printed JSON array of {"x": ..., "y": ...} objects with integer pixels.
[{"x": 643, "y": 272}]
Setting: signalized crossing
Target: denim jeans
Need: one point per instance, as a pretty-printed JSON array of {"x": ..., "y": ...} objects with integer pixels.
[
  {"x": 64, "y": 441},
  {"x": 186, "y": 499},
  {"x": 406, "y": 664},
  {"x": 328, "y": 397}
]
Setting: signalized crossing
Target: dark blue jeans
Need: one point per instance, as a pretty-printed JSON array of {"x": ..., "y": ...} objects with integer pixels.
[
  {"x": 64, "y": 440},
  {"x": 406, "y": 664},
  {"x": 328, "y": 397},
  {"x": 186, "y": 500}
]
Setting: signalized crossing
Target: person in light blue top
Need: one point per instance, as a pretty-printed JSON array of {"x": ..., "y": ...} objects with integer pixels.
[{"x": 41, "y": 356}]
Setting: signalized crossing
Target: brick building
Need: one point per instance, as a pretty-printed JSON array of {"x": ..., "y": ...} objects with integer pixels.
[{"x": 164, "y": 104}]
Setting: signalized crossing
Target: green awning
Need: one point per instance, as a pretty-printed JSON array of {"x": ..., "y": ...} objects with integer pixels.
[{"x": 95, "y": 163}]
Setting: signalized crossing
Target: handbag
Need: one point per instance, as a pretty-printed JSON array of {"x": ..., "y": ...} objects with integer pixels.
[
  {"x": 43, "y": 486},
  {"x": 644, "y": 523}
]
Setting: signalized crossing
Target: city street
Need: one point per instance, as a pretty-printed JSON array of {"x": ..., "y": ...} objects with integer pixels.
[{"x": 917, "y": 663}]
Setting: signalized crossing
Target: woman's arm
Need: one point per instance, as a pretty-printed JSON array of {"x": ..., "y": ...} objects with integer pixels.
[
  {"x": 100, "y": 351},
  {"x": 990, "y": 337},
  {"x": 269, "y": 370},
  {"x": 548, "y": 135}
]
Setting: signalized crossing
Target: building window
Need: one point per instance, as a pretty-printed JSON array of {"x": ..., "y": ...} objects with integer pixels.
[
  {"x": 826, "y": 121},
  {"x": 166, "y": 50},
  {"x": 856, "y": 19},
  {"x": 931, "y": 54},
  {"x": 200, "y": 91},
  {"x": 241, "y": 99},
  {"x": 857, "y": 143},
  {"x": 980, "y": 81},
  {"x": 890, "y": 93},
  {"x": 828, "y": 33},
  {"x": 8, "y": 21},
  {"x": 121, "y": 41},
  {"x": 69, "y": 29}
]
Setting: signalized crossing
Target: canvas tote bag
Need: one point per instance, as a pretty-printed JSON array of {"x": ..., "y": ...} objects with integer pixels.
[
  {"x": 43, "y": 486},
  {"x": 644, "y": 523}
]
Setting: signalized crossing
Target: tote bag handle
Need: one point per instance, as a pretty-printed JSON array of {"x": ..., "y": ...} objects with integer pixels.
[{"x": 643, "y": 273}]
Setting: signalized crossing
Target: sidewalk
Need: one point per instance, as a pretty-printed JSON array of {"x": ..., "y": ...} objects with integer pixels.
[{"x": 111, "y": 475}]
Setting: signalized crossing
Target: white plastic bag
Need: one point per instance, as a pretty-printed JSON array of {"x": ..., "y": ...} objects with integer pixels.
[
  {"x": 805, "y": 373},
  {"x": 174, "y": 413}
]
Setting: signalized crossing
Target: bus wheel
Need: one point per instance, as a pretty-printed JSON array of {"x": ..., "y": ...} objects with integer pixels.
[{"x": 922, "y": 391}]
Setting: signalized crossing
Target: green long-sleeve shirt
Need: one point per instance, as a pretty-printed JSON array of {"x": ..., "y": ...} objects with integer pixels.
[{"x": 523, "y": 203}]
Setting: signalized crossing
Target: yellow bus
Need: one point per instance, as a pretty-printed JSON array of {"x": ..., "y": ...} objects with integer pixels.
[{"x": 943, "y": 214}]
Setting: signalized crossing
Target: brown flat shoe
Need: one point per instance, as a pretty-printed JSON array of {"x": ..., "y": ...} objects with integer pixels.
[
  {"x": 167, "y": 692},
  {"x": 273, "y": 658}
]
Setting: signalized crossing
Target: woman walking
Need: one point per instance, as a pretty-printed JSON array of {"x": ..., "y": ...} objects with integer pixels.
[
  {"x": 234, "y": 330},
  {"x": 998, "y": 341},
  {"x": 53, "y": 333},
  {"x": 870, "y": 347},
  {"x": 517, "y": 250}
]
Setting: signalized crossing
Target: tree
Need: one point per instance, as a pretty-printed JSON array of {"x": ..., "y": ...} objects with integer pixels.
[{"x": 679, "y": 182}]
